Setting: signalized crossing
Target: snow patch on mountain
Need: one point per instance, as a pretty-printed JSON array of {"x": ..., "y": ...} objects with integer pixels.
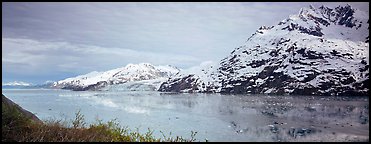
[{"x": 143, "y": 85}]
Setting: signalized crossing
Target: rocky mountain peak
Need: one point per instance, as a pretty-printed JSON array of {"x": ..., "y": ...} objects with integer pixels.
[
  {"x": 314, "y": 20},
  {"x": 341, "y": 15}
]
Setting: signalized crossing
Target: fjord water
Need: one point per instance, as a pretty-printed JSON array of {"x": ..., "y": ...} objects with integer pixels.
[{"x": 215, "y": 117}]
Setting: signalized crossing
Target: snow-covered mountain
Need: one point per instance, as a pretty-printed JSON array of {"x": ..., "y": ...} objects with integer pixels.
[
  {"x": 16, "y": 83},
  {"x": 129, "y": 73},
  {"x": 319, "y": 51}
]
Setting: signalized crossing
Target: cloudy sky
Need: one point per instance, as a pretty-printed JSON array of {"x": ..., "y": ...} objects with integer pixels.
[{"x": 54, "y": 41}]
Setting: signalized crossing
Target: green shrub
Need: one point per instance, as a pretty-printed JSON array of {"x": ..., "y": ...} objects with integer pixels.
[{"x": 13, "y": 123}]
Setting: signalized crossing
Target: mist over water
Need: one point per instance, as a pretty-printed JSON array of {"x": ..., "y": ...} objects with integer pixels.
[{"x": 215, "y": 117}]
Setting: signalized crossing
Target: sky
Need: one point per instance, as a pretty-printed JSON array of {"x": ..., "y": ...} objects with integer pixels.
[{"x": 53, "y": 41}]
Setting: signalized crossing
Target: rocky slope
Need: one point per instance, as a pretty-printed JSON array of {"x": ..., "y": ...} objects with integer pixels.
[
  {"x": 130, "y": 73},
  {"x": 320, "y": 51},
  {"x": 10, "y": 105}
]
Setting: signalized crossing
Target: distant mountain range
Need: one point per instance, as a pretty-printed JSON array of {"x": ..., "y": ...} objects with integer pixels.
[
  {"x": 17, "y": 83},
  {"x": 25, "y": 85}
]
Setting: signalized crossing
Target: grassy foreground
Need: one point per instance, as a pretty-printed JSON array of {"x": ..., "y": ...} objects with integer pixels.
[{"x": 19, "y": 127}]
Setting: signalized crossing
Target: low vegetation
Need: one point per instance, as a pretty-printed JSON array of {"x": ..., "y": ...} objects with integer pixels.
[{"x": 17, "y": 127}]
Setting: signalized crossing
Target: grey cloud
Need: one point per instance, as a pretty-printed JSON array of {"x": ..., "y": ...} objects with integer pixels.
[{"x": 45, "y": 57}]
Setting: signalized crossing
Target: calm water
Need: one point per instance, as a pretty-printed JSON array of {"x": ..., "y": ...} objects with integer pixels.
[{"x": 215, "y": 117}]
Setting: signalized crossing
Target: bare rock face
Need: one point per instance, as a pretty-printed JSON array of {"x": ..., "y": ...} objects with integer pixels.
[
  {"x": 321, "y": 51},
  {"x": 184, "y": 84}
]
